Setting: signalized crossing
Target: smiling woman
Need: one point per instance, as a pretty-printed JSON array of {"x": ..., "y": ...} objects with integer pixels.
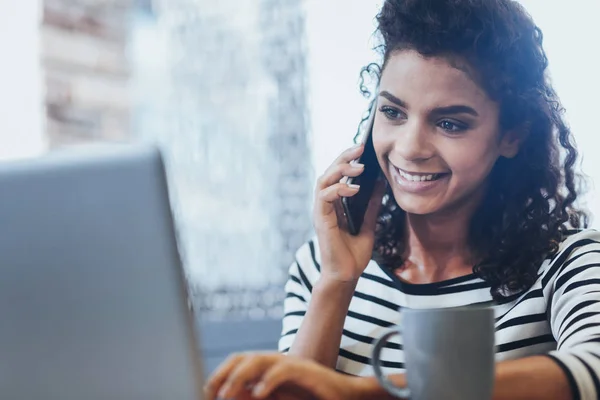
[
  {"x": 479, "y": 210},
  {"x": 430, "y": 113}
]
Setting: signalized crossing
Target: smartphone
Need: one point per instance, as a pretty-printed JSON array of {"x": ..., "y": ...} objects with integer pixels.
[{"x": 355, "y": 207}]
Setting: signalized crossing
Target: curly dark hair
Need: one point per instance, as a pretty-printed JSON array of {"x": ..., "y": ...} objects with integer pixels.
[{"x": 529, "y": 204}]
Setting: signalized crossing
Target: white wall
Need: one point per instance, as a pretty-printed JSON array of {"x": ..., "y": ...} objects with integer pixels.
[
  {"x": 339, "y": 45},
  {"x": 571, "y": 35},
  {"x": 21, "y": 105}
]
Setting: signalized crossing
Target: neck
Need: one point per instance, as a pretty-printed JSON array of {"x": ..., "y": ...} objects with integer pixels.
[
  {"x": 437, "y": 235},
  {"x": 438, "y": 245}
]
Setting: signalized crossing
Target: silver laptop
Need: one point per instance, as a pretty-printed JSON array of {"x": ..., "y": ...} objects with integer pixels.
[{"x": 93, "y": 300}]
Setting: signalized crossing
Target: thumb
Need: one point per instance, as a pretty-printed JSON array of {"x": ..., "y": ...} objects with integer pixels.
[{"x": 370, "y": 220}]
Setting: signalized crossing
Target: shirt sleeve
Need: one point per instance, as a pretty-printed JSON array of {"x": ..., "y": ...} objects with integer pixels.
[
  {"x": 574, "y": 313},
  {"x": 303, "y": 273}
]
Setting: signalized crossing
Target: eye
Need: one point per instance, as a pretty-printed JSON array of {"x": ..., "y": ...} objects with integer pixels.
[
  {"x": 391, "y": 113},
  {"x": 451, "y": 126}
]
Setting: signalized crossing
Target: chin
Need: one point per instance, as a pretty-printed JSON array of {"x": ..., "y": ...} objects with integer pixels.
[{"x": 417, "y": 206}]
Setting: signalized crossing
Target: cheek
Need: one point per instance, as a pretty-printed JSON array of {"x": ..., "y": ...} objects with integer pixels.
[
  {"x": 471, "y": 161},
  {"x": 382, "y": 146}
]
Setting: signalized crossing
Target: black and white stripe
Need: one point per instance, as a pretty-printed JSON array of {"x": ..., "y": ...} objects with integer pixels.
[{"x": 559, "y": 316}]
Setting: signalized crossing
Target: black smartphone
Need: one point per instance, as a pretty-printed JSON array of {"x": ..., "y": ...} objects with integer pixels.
[{"x": 355, "y": 207}]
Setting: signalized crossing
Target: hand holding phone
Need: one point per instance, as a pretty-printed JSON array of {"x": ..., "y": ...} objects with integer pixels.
[{"x": 347, "y": 201}]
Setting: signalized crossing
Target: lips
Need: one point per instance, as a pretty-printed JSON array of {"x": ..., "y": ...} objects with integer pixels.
[
  {"x": 419, "y": 177},
  {"x": 414, "y": 182}
]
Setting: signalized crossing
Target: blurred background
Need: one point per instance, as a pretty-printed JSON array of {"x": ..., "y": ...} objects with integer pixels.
[{"x": 251, "y": 100}]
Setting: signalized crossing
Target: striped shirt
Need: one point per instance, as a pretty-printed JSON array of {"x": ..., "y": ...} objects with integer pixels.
[{"x": 558, "y": 316}]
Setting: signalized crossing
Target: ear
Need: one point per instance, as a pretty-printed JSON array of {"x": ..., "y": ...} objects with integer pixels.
[{"x": 510, "y": 142}]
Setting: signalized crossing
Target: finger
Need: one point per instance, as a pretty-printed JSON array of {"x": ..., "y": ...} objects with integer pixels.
[
  {"x": 248, "y": 371},
  {"x": 300, "y": 375},
  {"x": 215, "y": 382},
  {"x": 336, "y": 172},
  {"x": 370, "y": 221},
  {"x": 335, "y": 192},
  {"x": 330, "y": 198}
]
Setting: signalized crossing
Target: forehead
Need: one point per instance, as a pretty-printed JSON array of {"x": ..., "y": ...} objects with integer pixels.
[{"x": 415, "y": 78}]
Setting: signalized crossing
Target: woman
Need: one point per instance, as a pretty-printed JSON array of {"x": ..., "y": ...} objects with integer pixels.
[{"x": 479, "y": 208}]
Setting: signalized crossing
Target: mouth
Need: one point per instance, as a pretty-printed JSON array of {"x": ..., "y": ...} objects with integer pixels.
[
  {"x": 416, "y": 182},
  {"x": 420, "y": 176}
]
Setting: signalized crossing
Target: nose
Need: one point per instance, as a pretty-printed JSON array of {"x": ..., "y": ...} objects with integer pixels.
[{"x": 413, "y": 142}]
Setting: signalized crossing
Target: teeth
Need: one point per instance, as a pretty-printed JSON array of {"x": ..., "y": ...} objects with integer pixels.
[{"x": 417, "y": 178}]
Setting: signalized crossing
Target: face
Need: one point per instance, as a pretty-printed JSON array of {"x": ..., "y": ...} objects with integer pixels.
[{"x": 436, "y": 134}]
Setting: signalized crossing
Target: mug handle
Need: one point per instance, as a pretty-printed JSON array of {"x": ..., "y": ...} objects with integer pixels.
[{"x": 383, "y": 380}]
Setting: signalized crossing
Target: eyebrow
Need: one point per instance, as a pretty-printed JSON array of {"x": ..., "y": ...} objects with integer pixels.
[
  {"x": 393, "y": 99},
  {"x": 454, "y": 109}
]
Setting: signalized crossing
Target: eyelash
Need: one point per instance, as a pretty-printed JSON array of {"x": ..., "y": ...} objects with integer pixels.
[
  {"x": 385, "y": 110},
  {"x": 457, "y": 127}
]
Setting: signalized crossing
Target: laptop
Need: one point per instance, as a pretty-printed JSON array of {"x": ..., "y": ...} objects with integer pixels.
[{"x": 93, "y": 301}]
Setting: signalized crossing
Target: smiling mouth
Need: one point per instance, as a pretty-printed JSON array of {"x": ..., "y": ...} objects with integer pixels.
[{"x": 420, "y": 177}]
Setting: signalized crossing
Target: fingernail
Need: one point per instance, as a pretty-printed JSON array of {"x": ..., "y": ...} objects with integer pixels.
[
  {"x": 353, "y": 186},
  {"x": 258, "y": 389},
  {"x": 358, "y": 165}
]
